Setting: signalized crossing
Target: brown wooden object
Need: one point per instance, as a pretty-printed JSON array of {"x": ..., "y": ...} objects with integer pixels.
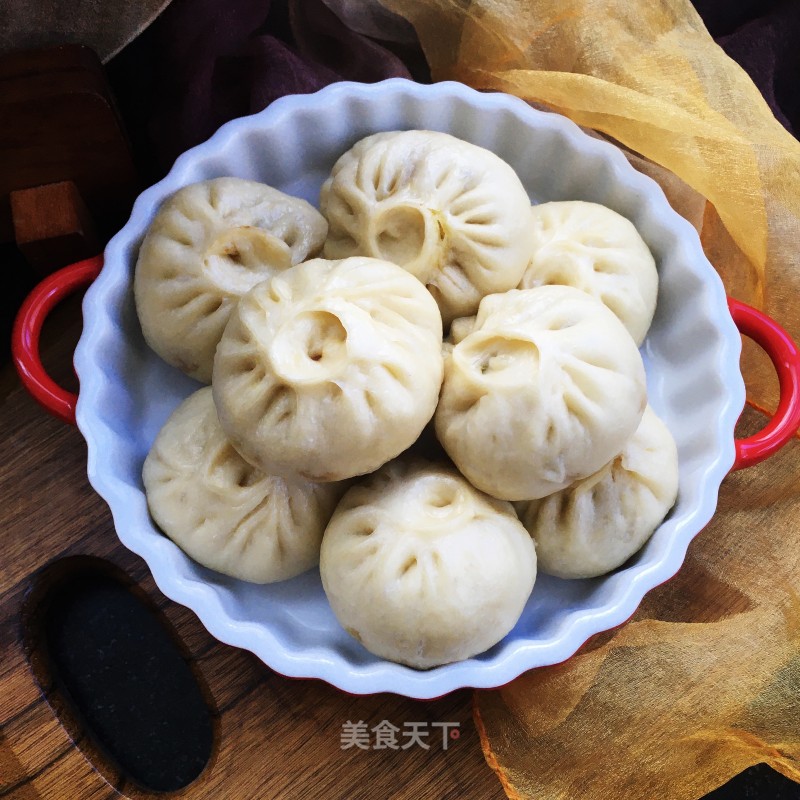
[
  {"x": 275, "y": 738},
  {"x": 52, "y": 226},
  {"x": 58, "y": 123}
]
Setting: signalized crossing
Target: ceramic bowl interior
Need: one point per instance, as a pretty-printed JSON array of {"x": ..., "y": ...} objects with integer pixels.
[{"x": 691, "y": 355}]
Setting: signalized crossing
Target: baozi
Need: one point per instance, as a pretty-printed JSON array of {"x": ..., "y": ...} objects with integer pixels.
[
  {"x": 546, "y": 389},
  {"x": 224, "y": 513},
  {"x": 453, "y": 214},
  {"x": 594, "y": 249},
  {"x": 209, "y": 244},
  {"x": 422, "y": 568},
  {"x": 330, "y": 369},
  {"x": 595, "y": 525}
]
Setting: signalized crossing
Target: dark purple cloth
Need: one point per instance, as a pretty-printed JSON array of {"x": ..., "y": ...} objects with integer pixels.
[
  {"x": 322, "y": 38},
  {"x": 204, "y": 62},
  {"x": 763, "y": 36}
]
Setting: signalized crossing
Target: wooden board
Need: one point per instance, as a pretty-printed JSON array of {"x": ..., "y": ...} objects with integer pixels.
[
  {"x": 275, "y": 737},
  {"x": 59, "y": 123}
]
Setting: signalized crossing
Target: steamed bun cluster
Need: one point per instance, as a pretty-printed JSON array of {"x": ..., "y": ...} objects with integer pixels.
[{"x": 327, "y": 373}]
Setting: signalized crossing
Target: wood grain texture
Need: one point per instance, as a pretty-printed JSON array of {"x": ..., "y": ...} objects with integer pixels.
[
  {"x": 275, "y": 737},
  {"x": 52, "y": 226},
  {"x": 60, "y": 124}
]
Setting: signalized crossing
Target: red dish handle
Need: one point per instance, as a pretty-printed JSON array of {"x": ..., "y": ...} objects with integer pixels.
[
  {"x": 28, "y": 328},
  {"x": 785, "y": 356}
]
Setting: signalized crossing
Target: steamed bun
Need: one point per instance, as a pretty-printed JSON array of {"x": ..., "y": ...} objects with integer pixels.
[
  {"x": 422, "y": 568},
  {"x": 209, "y": 244},
  {"x": 595, "y": 525},
  {"x": 546, "y": 389},
  {"x": 330, "y": 369},
  {"x": 453, "y": 214},
  {"x": 594, "y": 249},
  {"x": 222, "y": 512}
]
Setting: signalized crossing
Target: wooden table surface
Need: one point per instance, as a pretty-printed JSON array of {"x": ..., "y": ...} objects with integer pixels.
[{"x": 274, "y": 737}]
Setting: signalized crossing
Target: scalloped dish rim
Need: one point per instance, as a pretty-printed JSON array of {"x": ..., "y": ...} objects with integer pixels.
[{"x": 104, "y": 347}]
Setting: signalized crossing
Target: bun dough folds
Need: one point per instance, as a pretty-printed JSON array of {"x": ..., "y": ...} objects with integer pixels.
[
  {"x": 330, "y": 369},
  {"x": 222, "y": 512},
  {"x": 594, "y": 249},
  {"x": 422, "y": 568},
  {"x": 596, "y": 524},
  {"x": 453, "y": 214},
  {"x": 209, "y": 244},
  {"x": 546, "y": 389}
]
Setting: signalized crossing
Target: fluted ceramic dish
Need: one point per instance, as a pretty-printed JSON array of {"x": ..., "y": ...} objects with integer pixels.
[{"x": 691, "y": 355}]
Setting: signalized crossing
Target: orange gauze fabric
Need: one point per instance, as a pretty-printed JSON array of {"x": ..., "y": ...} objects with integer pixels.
[{"x": 649, "y": 75}]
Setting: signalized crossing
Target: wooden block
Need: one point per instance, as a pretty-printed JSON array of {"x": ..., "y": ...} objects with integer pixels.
[
  {"x": 52, "y": 226},
  {"x": 59, "y": 123}
]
